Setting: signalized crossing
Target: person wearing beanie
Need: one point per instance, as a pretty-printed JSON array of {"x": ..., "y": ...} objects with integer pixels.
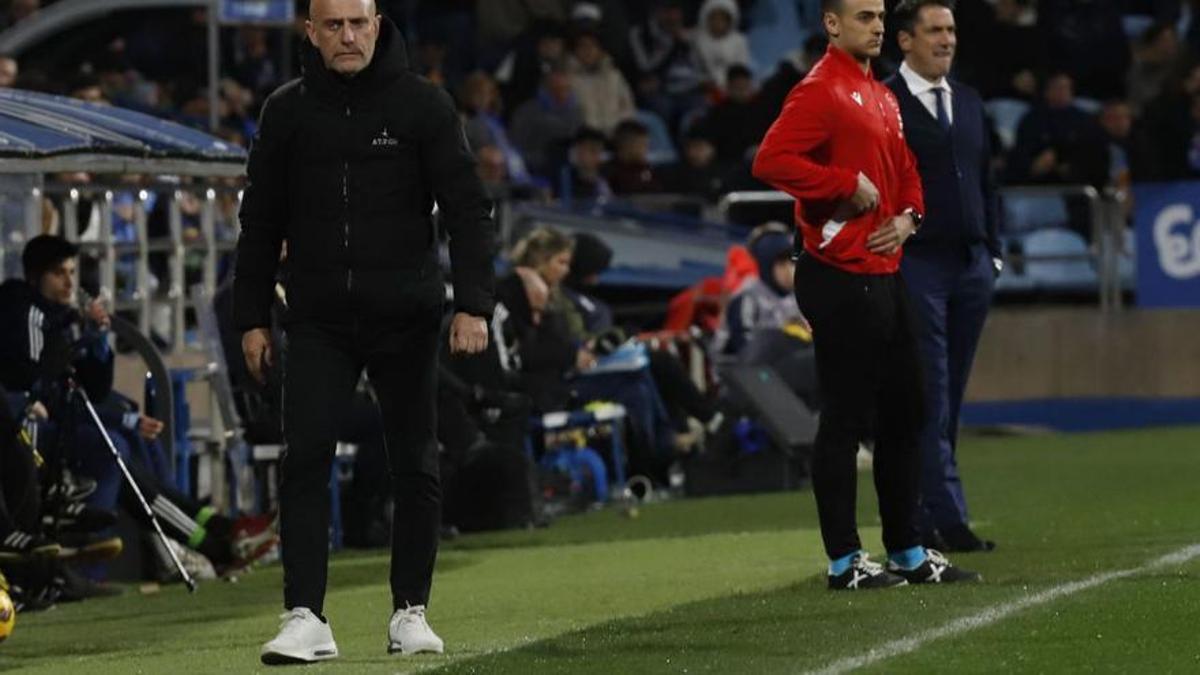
[
  {"x": 592, "y": 257},
  {"x": 765, "y": 301}
]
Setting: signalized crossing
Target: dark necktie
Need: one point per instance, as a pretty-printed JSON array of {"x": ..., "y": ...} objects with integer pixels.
[{"x": 943, "y": 119}]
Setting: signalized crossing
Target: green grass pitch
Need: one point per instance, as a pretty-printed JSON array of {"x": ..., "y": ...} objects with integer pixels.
[{"x": 732, "y": 585}]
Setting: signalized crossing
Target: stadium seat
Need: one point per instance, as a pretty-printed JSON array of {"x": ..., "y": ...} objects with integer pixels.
[
  {"x": 1136, "y": 24},
  {"x": 1006, "y": 114},
  {"x": 1010, "y": 282},
  {"x": 1058, "y": 259},
  {"x": 662, "y": 150},
  {"x": 1013, "y": 279},
  {"x": 1023, "y": 212},
  {"x": 775, "y": 30},
  {"x": 578, "y": 460}
]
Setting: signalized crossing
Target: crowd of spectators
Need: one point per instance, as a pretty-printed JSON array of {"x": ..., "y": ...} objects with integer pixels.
[{"x": 593, "y": 98}]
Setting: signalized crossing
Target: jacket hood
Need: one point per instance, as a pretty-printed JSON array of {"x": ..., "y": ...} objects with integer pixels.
[
  {"x": 592, "y": 256},
  {"x": 14, "y": 290},
  {"x": 389, "y": 62},
  {"x": 766, "y": 250},
  {"x": 711, "y": 6}
]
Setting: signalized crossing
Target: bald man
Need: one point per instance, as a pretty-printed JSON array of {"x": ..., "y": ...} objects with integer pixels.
[{"x": 346, "y": 167}]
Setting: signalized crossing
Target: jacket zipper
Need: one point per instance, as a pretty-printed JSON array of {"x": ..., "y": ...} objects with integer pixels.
[{"x": 346, "y": 216}]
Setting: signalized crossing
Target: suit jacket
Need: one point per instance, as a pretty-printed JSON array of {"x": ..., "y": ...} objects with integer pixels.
[{"x": 955, "y": 167}]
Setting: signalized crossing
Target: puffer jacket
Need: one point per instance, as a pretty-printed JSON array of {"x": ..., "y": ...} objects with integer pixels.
[{"x": 347, "y": 171}]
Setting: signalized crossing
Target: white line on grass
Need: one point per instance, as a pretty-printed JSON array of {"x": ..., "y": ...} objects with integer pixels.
[{"x": 999, "y": 612}]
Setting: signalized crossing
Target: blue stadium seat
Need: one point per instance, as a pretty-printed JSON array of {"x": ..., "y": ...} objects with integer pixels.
[
  {"x": 1050, "y": 265},
  {"x": 1006, "y": 114},
  {"x": 1136, "y": 24},
  {"x": 1011, "y": 283},
  {"x": 1010, "y": 280},
  {"x": 1023, "y": 212},
  {"x": 662, "y": 150},
  {"x": 775, "y": 30}
]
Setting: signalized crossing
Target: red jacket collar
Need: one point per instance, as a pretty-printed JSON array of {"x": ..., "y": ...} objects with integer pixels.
[{"x": 845, "y": 65}]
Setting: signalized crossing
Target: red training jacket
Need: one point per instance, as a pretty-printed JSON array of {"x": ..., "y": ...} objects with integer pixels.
[{"x": 835, "y": 123}]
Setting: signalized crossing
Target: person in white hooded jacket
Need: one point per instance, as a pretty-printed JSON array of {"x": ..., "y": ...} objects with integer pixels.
[{"x": 718, "y": 41}]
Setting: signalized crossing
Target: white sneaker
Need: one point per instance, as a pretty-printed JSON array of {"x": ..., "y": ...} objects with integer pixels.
[
  {"x": 303, "y": 638},
  {"x": 409, "y": 633}
]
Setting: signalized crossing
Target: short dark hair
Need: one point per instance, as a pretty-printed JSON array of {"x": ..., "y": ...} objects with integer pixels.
[
  {"x": 738, "y": 70},
  {"x": 831, "y": 6},
  {"x": 43, "y": 253},
  {"x": 629, "y": 128},
  {"x": 1052, "y": 74},
  {"x": 587, "y": 134},
  {"x": 697, "y": 132},
  {"x": 906, "y": 13}
]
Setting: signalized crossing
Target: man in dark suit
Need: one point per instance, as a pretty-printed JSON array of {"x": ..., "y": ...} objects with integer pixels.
[{"x": 951, "y": 263}]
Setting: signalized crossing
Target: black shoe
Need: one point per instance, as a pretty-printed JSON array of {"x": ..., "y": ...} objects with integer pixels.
[
  {"x": 26, "y": 602},
  {"x": 864, "y": 575},
  {"x": 960, "y": 539},
  {"x": 935, "y": 570},
  {"x": 79, "y": 517},
  {"x": 72, "y": 488},
  {"x": 18, "y": 546}
]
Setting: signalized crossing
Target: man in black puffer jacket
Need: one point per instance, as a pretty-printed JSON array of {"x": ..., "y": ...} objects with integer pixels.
[{"x": 346, "y": 167}]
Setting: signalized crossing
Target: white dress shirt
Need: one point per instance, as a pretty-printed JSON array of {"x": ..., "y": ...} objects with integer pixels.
[{"x": 923, "y": 90}]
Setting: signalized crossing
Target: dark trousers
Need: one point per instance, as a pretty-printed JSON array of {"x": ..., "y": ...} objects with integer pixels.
[
  {"x": 323, "y": 365},
  {"x": 20, "y": 494},
  {"x": 679, "y": 394},
  {"x": 951, "y": 290},
  {"x": 870, "y": 378}
]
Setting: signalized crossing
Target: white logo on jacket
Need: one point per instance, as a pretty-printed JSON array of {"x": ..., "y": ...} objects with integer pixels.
[
  {"x": 857, "y": 97},
  {"x": 385, "y": 140}
]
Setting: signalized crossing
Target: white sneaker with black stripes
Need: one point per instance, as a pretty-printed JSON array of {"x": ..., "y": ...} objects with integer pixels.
[
  {"x": 303, "y": 638},
  {"x": 864, "y": 575}
]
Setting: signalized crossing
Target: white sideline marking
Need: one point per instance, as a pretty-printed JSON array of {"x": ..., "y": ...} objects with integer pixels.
[{"x": 994, "y": 614}]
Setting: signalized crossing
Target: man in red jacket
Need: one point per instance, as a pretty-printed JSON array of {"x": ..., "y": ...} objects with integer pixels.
[{"x": 838, "y": 147}]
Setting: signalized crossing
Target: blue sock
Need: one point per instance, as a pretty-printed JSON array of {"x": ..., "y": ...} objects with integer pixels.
[
  {"x": 909, "y": 558},
  {"x": 842, "y": 564}
]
